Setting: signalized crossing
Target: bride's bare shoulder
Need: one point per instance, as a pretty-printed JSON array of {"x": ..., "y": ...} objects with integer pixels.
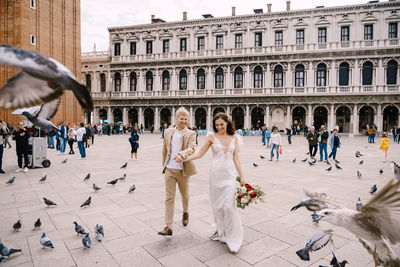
[{"x": 210, "y": 137}]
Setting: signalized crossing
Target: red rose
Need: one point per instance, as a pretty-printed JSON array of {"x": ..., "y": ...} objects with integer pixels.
[
  {"x": 253, "y": 195},
  {"x": 248, "y": 187},
  {"x": 239, "y": 196}
]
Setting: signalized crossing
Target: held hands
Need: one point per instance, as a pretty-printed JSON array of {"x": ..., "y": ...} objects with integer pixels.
[{"x": 178, "y": 158}]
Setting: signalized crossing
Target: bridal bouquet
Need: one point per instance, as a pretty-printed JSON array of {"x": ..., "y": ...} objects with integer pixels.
[{"x": 246, "y": 194}]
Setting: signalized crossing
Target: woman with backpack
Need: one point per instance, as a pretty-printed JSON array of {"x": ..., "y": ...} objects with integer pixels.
[{"x": 134, "y": 140}]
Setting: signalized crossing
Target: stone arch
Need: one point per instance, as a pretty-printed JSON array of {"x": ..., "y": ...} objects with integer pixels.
[
  {"x": 148, "y": 115},
  {"x": 218, "y": 109},
  {"x": 278, "y": 114},
  {"x": 133, "y": 116},
  {"x": 366, "y": 105},
  {"x": 366, "y": 116},
  {"x": 343, "y": 118},
  {"x": 165, "y": 116},
  {"x": 102, "y": 114},
  {"x": 299, "y": 113},
  {"x": 320, "y": 116},
  {"x": 200, "y": 117},
  {"x": 341, "y": 105},
  {"x": 257, "y": 117},
  {"x": 238, "y": 117},
  {"x": 390, "y": 116},
  {"x": 117, "y": 114}
]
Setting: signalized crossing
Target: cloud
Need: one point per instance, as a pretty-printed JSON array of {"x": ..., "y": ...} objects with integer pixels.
[{"x": 97, "y": 15}]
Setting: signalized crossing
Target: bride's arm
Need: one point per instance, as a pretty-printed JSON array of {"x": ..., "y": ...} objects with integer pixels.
[
  {"x": 200, "y": 153},
  {"x": 237, "y": 163}
]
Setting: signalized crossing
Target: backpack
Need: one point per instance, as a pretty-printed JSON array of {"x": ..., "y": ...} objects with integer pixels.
[{"x": 84, "y": 137}]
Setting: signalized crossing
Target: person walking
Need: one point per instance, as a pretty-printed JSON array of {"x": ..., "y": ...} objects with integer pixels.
[
  {"x": 398, "y": 134},
  {"x": 134, "y": 140},
  {"x": 384, "y": 146},
  {"x": 21, "y": 137},
  {"x": 312, "y": 137},
  {"x": 334, "y": 143},
  {"x": 63, "y": 136},
  {"x": 71, "y": 140},
  {"x": 370, "y": 131},
  {"x": 263, "y": 135},
  {"x": 3, "y": 132},
  {"x": 373, "y": 133},
  {"x": 289, "y": 135},
  {"x": 7, "y": 136},
  {"x": 394, "y": 132},
  {"x": 276, "y": 142},
  {"x": 141, "y": 128},
  {"x": 268, "y": 136},
  {"x": 80, "y": 138},
  {"x": 323, "y": 141},
  {"x": 51, "y": 134}
]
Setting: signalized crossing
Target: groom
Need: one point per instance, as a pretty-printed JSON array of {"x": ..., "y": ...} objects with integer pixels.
[{"x": 179, "y": 143}]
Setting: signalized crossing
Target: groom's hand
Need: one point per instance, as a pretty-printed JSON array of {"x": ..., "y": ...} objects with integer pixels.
[{"x": 178, "y": 158}]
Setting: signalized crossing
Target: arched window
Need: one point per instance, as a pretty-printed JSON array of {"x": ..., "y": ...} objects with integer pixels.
[
  {"x": 391, "y": 72},
  {"x": 102, "y": 82},
  {"x": 278, "y": 76},
  {"x": 117, "y": 82},
  {"x": 183, "y": 80},
  {"x": 258, "y": 77},
  {"x": 367, "y": 73},
  {"x": 344, "y": 73},
  {"x": 201, "y": 79},
  {"x": 165, "y": 80},
  {"x": 321, "y": 74},
  {"x": 238, "y": 79},
  {"x": 299, "y": 75},
  {"x": 88, "y": 82},
  {"x": 219, "y": 78},
  {"x": 149, "y": 81},
  {"x": 132, "y": 81}
]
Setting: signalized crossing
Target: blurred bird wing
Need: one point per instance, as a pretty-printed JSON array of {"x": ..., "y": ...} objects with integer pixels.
[
  {"x": 48, "y": 110},
  {"x": 322, "y": 197},
  {"x": 24, "y": 90},
  {"x": 382, "y": 212},
  {"x": 396, "y": 171},
  {"x": 62, "y": 68}
]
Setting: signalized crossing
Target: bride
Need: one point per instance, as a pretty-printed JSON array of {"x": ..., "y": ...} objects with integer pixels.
[{"x": 225, "y": 167}]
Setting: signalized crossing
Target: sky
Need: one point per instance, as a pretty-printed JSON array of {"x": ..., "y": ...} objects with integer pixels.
[{"x": 97, "y": 15}]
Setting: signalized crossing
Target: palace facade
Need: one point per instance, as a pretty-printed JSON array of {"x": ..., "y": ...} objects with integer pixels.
[{"x": 336, "y": 65}]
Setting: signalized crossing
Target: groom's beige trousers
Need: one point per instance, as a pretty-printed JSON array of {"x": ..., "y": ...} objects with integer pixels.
[{"x": 173, "y": 176}]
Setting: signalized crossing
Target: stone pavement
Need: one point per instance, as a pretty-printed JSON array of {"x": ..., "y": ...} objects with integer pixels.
[{"x": 272, "y": 233}]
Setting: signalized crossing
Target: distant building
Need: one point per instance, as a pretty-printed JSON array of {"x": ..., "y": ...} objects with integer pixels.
[
  {"x": 52, "y": 28},
  {"x": 334, "y": 65}
]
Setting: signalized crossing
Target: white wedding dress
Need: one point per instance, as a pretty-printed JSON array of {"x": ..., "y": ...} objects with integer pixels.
[{"x": 227, "y": 226}]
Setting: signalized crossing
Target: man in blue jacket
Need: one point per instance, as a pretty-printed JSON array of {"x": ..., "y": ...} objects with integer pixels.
[
  {"x": 323, "y": 143},
  {"x": 63, "y": 137}
]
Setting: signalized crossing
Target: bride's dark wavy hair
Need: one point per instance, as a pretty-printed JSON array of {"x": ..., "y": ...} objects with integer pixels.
[{"x": 230, "y": 128}]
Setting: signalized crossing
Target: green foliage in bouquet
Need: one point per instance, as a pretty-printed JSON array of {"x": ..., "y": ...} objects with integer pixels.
[{"x": 246, "y": 194}]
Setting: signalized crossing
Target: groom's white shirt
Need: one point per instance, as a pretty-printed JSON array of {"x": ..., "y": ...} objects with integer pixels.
[{"x": 175, "y": 149}]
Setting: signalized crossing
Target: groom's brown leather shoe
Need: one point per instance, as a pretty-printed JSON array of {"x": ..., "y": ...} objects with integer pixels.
[
  {"x": 185, "y": 218},
  {"x": 166, "y": 231}
]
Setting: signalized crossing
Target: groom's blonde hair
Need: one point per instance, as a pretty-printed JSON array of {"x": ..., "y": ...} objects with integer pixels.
[{"x": 182, "y": 112}]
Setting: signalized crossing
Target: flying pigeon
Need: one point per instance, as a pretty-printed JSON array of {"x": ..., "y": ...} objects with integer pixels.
[
  {"x": 86, "y": 241},
  {"x": 262, "y": 157},
  {"x": 7, "y": 252},
  {"x": 37, "y": 224},
  {"x": 314, "y": 243},
  {"x": 79, "y": 229},
  {"x": 338, "y": 167},
  {"x": 380, "y": 171},
  {"x": 396, "y": 170},
  {"x": 96, "y": 188},
  {"x": 359, "y": 175},
  {"x": 254, "y": 164},
  {"x": 87, "y": 177},
  {"x": 41, "y": 80},
  {"x": 113, "y": 182},
  {"x": 329, "y": 169},
  {"x": 372, "y": 223},
  {"x": 315, "y": 217},
  {"x": 304, "y": 160},
  {"x": 11, "y": 181},
  {"x": 64, "y": 161},
  {"x": 311, "y": 204},
  {"x": 87, "y": 202},
  {"x": 45, "y": 241},
  {"x": 43, "y": 178},
  {"x": 294, "y": 160},
  {"x": 361, "y": 162},
  {"x": 124, "y": 166},
  {"x": 44, "y": 115},
  {"x": 131, "y": 189},
  {"x": 17, "y": 225},
  {"x": 122, "y": 178},
  {"x": 48, "y": 202},
  {"x": 359, "y": 204},
  {"x": 373, "y": 189}
]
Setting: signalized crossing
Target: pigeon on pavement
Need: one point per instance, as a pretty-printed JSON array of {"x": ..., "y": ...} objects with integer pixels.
[
  {"x": 11, "y": 181},
  {"x": 327, "y": 162},
  {"x": 254, "y": 164},
  {"x": 7, "y": 252},
  {"x": 37, "y": 224},
  {"x": 380, "y": 171},
  {"x": 314, "y": 243},
  {"x": 122, "y": 178},
  {"x": 359, "y": 204},
  {"x": 64, "y": 161},
  {"x": 96, "y": 188},
  {"x": 304, "y": 160},
  {"x": 87, "y": 177},
  {"x": 329, "y": 169},
  {"x": 86, "y": 241},
  {"x": 359, "y": 175},
  {"x": 338, "y": 167},
  {"x": 361, "y": 162},
  {"x": 335, "y": 263},
  {"x": 294, "y": 160},
  {"x": 262, "y": 157},
  {"x": 45, "y": 241},
  {"x": 41, "y": 80},
  {"x": 79, "y": 229},
  {"x": 17, "y": 225},
  {"x": 48, "y": 202},
  {"x": 87, "y": 202},
  {"x": 131, "y": 189},
  {"x": 124, "y": 166},
  {"x": 113, "y": 182},
  {"x": 2, "y": 258},
  {"x": 42, "y": 118},
  {"x": 310, "y": 163},
  {"x": 99, "y": 230},
  {"x": 373, "y": 189},
  {"x": 43, "y": 178}
]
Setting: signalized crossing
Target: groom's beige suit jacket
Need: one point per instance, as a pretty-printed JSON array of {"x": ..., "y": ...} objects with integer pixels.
[{"x": 188, "y": 146}]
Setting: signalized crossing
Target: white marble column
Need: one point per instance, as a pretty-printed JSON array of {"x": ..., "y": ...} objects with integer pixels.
[
  {"x": 191, "y": 119},
  {"x": 157, "y": 120},
  {"x": 267, "y": 116},
  {"x": 156, "y": 83},
  {"x": 288, "y": 117},
  {"x": 247, "y": 123},
  {"x": 191, "y": 80},
  {"x": 228, "y": 78},
  {"x": 228, "y": 112},
  {"x": 95, "y": 86},
  {"x": 140, "y": 117},
  {"x": 173, "y": 117},
  {"x": 289, "y": 79},
  {"x": 379, "y": 119},
  {"x": 355, "y": 119},
  {"x": 124, "y": 82},
  {"x": 247, "y": 77},
  {"x": 110, "y": 116},
  {"x": 331, "y": 118},
  {"x": 332, "y": 75},
  {"x": 209, "y": 79},
  {"x": 140, "y": 83},
  {"x": 356, "y": 75},
  {"x": 209, "y": 126},
  {"x": 309, "y": 116},
  {"x": 96, "y": 115},
  {"x": 125, "y": 115},
  {"x": 174, "y": 81},
  {"x": 109, "y": 85},
  {"x": 310, "y": 76}
]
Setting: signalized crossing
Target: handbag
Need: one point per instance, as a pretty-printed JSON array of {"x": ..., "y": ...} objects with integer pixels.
[
  {"x": 84, "y": 137},
  {"x": 280, "y": 150}
]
